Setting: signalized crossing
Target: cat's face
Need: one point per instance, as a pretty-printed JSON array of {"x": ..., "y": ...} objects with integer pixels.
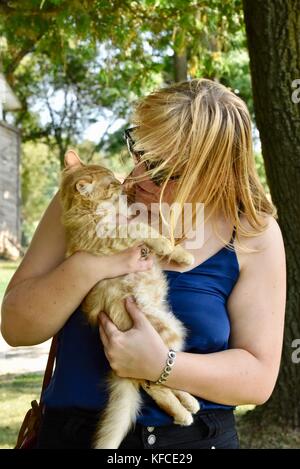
[{"x": 87, "y": 185}]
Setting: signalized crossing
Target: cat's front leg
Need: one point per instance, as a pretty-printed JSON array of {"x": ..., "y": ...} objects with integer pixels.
[
  {"x": 181, "y": 256},
  {"x": 187, "y": 400},
  {"x": 159, "y": 244}
]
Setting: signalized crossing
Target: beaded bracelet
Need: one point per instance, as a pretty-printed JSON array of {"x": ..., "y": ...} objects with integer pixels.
[{"x": 168, "y": 368}]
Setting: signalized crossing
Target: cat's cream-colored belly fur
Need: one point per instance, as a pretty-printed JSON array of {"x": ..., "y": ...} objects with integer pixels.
[{"x": 149, "y": 290}]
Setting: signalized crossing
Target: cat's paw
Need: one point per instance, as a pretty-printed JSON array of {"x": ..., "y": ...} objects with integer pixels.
[
  {"x": 187, "y": 400},
  {"x": 185, "y": 419},
  {"x": 192, "y": 405},
  {"x": 165, "y": 247},
  {"x": 181, "y": 256},
  {"x": 161, "y": 246}
]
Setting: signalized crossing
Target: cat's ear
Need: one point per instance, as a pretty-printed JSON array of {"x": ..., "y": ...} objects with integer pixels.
[
  {"x": 85, "y": 186},
  {"x": 72, "y": 159}
]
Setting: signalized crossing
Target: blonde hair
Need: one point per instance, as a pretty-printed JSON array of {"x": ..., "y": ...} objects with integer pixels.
[{"x": 202, "y": 131}]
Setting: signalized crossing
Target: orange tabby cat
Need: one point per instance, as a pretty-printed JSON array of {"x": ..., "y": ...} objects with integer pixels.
[{"x": 88, "y": 193}]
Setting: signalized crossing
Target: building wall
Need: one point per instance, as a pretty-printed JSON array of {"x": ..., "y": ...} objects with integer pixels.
[{"x": 9, "y": 182}]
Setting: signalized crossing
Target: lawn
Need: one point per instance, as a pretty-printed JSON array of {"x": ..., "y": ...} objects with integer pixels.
[
  {"x": 16, "y": 394},
  {"x": 7, "y": 269}
]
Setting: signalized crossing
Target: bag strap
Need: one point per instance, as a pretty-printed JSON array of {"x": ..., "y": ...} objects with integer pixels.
[
  {"x": 30, "y": 426},
  {"x": 50, "y": 365}
]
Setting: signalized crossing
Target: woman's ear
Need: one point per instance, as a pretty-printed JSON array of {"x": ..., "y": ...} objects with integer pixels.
[{"x": 72, "y": 159}]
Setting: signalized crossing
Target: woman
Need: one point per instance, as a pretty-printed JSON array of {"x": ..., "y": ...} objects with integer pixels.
[{"x": 193, "y": 141}]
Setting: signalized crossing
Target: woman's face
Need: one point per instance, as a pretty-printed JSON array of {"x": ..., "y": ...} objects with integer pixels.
[{"x": 148, "y": 189}]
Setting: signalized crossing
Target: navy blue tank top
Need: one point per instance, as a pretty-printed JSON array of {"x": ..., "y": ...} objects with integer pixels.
[{"x": 197, "y": 297}]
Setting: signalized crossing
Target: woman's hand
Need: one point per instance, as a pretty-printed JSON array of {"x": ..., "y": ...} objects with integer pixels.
[
  {"x": 125, "y": 262},
  {"x": 137, "y": 353}
]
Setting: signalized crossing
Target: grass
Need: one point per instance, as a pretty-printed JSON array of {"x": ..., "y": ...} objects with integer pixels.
[
  {"x": 16, "y": 394},
  {"x": 256, "y": 434},
  {"x": 7, "y": 269},
  {"x": 16, "y": 391}
]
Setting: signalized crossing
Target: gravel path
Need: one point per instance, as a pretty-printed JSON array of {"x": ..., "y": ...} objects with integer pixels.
[{"x": 23, "y": 359}]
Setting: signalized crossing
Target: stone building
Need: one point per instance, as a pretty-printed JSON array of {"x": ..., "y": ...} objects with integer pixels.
[{"x": 9, "y": 176}]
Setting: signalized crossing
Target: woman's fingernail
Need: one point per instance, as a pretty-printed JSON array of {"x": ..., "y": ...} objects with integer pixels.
[{"x": 130, "y": 299}]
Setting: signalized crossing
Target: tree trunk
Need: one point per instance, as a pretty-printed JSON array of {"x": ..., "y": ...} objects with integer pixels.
[
  {"x": 180, "y": 66},
  {"x": 273, "y": 32}
]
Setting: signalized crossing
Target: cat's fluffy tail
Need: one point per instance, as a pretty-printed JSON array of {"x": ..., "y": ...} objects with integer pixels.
[{"x": 120, "y": 413}]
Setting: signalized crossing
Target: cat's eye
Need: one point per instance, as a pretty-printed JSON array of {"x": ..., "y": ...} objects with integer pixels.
[{"x": 85, "y": 186}]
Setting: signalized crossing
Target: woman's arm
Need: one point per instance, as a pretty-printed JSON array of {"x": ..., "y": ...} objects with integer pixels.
[
  {"x": 244, "y": 374},
  {"x": 46, "y": 289}
]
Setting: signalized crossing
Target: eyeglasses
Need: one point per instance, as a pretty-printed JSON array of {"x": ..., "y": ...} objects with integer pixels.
[
  {"x": 158, "y": 178},
  {"x": 136, "y": 155}
]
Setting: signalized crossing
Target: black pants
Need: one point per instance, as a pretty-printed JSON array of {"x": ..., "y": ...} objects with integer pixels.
[{"x": 74, "y": 428}]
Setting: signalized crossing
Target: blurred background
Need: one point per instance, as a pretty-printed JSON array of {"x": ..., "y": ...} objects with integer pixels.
[{"x": 70, "y": 73}]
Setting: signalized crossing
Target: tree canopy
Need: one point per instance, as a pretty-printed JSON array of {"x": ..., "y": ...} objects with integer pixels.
[{"x": 91, "y": 55}]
